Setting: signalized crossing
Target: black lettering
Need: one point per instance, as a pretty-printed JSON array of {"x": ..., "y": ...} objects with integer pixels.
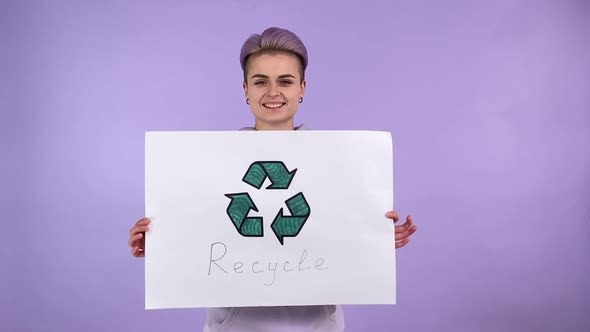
[
  {"x": 236, "y": 267},
  {"x": 253, "y": 268},
  {"x": 211, "y": 260},
  {"x": 319, "y": 263},
  {"x": 302, "y": 259},
  {"x": 274, "y": 274}
]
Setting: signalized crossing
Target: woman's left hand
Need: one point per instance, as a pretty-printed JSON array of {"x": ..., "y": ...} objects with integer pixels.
[{"x": 403, "y": 231}]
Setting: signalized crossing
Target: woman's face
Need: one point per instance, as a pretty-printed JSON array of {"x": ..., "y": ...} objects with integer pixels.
[{"x": 273, "y": 88}]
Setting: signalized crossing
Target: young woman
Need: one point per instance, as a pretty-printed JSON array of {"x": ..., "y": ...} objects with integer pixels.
[{"x": 274, "y": 66}]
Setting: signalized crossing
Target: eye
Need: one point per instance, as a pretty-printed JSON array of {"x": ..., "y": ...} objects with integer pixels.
[
  {"x": 260, "y": 83},
  {"x": 286, "y": 82}
]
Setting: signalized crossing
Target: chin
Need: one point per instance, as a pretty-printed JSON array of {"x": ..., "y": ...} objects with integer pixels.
[{"x": 275, "y": 118}]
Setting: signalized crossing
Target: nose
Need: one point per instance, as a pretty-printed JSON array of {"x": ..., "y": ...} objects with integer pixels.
[{"x": 273, "y": 90}]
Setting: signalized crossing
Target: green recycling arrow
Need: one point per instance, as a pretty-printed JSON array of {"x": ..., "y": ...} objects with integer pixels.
[
  {"x": 289, "y": 226},
  {"x": 276, "y": 171},
  {"x": 238, "y": 210}
]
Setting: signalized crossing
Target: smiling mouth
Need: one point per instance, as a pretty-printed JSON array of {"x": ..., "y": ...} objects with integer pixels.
[{"x": 273, "y": 106}]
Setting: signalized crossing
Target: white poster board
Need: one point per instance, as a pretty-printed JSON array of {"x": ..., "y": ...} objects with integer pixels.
[{"x": 269, "y": 218}]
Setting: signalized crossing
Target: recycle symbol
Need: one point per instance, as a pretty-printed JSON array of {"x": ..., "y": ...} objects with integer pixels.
[{"x": 282, "y": 225}]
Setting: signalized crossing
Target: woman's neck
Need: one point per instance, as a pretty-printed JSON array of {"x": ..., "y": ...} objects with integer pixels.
[{"x": 274, "y": 126}]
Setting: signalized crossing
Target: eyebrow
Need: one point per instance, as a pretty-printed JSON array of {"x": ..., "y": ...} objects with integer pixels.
[{"x": 266, "y": 76}]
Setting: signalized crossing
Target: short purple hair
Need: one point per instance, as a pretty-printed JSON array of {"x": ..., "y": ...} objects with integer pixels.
[{"x": 274, "y": 40}]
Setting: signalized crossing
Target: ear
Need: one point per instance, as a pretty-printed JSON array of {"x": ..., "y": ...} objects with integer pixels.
[
  {"x": 245, "y": 86},
  {"x": 303, "y": 84}
]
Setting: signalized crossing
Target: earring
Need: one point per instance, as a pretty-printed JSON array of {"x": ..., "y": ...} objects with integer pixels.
[
  {"x": 300, "y": 100},
  {"x": 248, "y": 101}
]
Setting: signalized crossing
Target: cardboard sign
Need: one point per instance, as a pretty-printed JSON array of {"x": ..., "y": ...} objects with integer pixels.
[{"x": 269, "y": 218}]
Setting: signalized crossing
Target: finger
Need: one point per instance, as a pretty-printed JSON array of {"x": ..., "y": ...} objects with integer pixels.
[
  {"x": 405, "y": 226},
  {"x": 134, "y": 238},
  {"x": 135, "y": 251},
  {"x": 405, "y": 234},
  {"x": 140, "y": 222},
  {"x": 138, "y": 229},
  {"x": 392, "y": 215},
  {"x": 402, "y": 243}
]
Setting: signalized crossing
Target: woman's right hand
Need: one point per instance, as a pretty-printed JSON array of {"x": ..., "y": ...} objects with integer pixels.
[{"x": 137, "y": 237}]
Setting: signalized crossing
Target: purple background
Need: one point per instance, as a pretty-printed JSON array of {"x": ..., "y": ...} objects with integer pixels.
[{"x": 488, "y": 103}]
